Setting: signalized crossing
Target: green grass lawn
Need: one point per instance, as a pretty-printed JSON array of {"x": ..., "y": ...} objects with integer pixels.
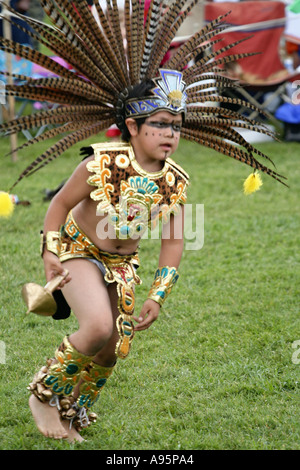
[{"x": 217, "y": 370}]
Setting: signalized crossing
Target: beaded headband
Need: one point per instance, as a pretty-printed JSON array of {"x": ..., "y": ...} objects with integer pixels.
[{"x": 168, "y": 94}]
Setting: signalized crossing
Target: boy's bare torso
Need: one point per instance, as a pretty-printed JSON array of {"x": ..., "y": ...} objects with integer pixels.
[{"x": 99, "y": 231}]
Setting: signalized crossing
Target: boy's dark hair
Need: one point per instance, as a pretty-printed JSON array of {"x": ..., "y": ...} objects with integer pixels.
[{"x": 138, "y": 91}]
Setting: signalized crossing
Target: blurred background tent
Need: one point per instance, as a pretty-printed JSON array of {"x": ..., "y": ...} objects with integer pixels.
[
  {"x": 289, "y": 112},
  {"x": 265, "y": 78},
  {"x": 292, "y": 32}
]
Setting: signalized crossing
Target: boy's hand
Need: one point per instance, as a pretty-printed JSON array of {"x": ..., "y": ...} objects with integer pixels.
[
  {"x": 148, "y": 315},
  {"x": 54, "y": 267}
]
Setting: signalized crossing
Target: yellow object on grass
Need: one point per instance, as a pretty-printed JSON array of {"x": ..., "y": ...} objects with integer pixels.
[
  {"x": 252, "y": 183},
  {"x": 6, "y": 205}
]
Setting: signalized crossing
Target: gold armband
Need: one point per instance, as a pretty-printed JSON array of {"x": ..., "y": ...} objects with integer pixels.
[
  {"x": 51, "y": 241},
  {"x": 164, "y": 279}
]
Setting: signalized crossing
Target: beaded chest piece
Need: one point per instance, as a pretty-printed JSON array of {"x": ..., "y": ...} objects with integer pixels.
[{"x": 134, "y": 199}]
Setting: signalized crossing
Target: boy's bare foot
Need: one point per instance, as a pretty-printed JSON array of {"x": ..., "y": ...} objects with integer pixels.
[
  {"x": 47, "y": 419},
  {"x": 73, "y": 435}
]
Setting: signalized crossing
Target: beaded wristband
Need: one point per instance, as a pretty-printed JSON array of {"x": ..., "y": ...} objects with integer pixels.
[
  {"x": 164, "y": 279},
  {"x": 51, "y": 241}
]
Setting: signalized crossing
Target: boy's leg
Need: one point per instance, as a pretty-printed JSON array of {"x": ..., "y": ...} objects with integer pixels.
[
  {"x": 96, "y": 374},
  {"x": 88, "y": 298},
  {"x": 107, "y": 357}
]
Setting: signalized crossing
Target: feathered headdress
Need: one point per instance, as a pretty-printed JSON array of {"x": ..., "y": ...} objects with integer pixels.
[{"x": 103, "y": 65}]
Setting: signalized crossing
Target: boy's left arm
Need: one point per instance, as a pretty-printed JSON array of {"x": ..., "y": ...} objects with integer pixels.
[{"x": 172, "y": 245}]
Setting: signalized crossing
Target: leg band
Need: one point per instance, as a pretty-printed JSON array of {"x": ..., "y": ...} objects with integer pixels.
[
  {"x": 56, "y": 381},
  {"x": 94, "y": 378},
  {"x": 64, "y": 374}
]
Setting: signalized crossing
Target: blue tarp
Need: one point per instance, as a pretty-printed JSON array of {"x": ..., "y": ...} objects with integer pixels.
[{"x": 288, "y": 112}]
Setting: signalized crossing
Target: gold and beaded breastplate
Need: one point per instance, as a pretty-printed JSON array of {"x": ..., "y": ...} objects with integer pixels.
[{"x": 134, "y": 199}]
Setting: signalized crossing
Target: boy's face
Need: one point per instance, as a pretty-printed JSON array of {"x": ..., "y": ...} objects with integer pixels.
[{"x": 158, "y": 138}]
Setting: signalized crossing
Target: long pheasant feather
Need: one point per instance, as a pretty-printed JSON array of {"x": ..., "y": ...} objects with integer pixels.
[
  {"x": 60, "y": 147},
  {"x": 87, "y": 40},
  {"x": 165, "y": 39},
  {"x": 141, "y": 15},
  {"x": 117, "y": 21},
  {"x": 80, "y": 87},
  {"x": 211, "y": 29},
  {"x": 110, "y": 43},
  {"x": 134, "y": 39},
  {"x": 36, "y": 57},
  {"x": 151, "y": 29},
  {"x": 53, "y": 116},
  {"x": 228, "y": 130},
  {"x": 91, "y": 30},
  {"x": 233, "y": 152}
]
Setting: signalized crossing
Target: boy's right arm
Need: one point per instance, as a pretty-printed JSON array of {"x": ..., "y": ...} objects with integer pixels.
[
  {"x": 55, "y": 218},
  {"x": 75, "y": 190}
]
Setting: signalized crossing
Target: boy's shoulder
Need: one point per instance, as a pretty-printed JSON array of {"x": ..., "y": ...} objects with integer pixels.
[
  {"x": 113, "y": 149},
  {"x": 178, "y": 169},
  {"x": 119, "y": 145},
  {"x": 112, "y": 155}
]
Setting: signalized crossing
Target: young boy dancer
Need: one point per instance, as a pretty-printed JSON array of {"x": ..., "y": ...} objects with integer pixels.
[
  {"x": 93, "y": 226},
  {"x": 137, "y": 179}
]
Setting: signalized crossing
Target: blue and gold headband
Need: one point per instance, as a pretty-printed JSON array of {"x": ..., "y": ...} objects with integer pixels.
[{"x": 168, "y": 94}]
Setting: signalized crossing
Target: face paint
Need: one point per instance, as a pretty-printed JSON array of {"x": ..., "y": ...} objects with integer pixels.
[{"x": 175, "y": 126}]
